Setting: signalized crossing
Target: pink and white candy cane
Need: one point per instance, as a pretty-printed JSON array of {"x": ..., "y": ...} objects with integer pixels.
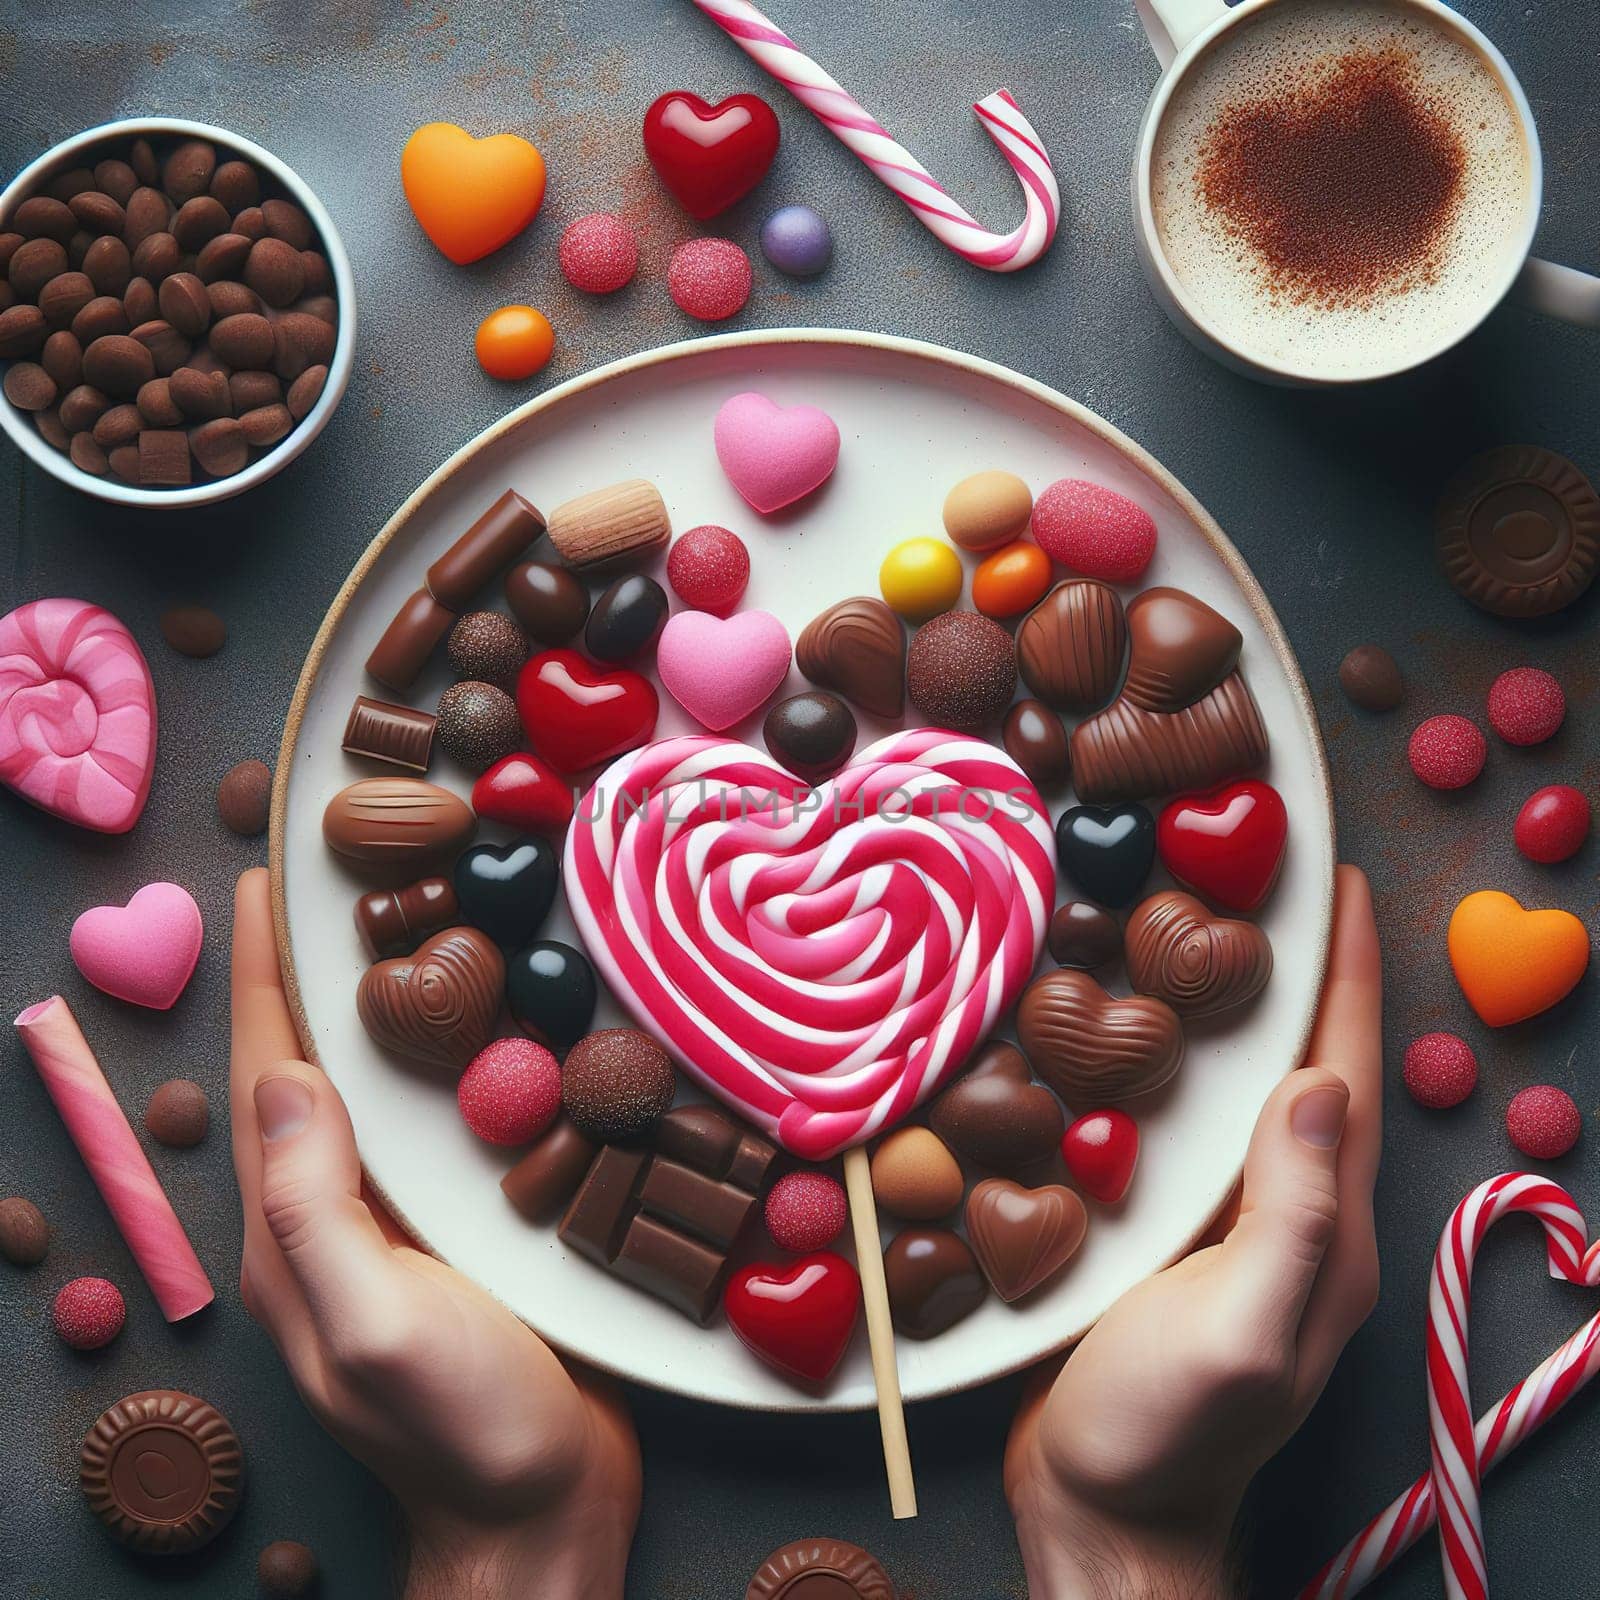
[
  {"x": 1463, "y": 1452},
  {"x": 845, "y": 117}
]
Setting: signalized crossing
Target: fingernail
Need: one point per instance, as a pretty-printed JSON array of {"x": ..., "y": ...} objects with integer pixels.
[
  {"x": 283, "y": 1107},
  {"x": 1318, "y": 1117}
]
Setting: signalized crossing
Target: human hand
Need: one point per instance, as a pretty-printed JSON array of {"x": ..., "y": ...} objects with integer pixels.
[
  {"x": 1125, "y": 1473},
  {"x": 517, "y": 1475}
]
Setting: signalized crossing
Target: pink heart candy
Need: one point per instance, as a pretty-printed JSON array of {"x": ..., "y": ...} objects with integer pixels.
[
  {"x": 774, "y": 455},
  {"x": 77, "y": 714},
  {"x": 143, "y": 952},
  {"x": 719, "y": 669}
]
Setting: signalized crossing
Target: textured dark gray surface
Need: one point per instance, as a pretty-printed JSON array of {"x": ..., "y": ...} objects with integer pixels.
[{"x": 1327, "y": 495}]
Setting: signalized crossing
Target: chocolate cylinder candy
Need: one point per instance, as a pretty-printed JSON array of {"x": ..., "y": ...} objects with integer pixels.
[
  {"x": 1093, "y": 1048},
  {"x": 489, "y": 546},
  {"x": 1178, "y": 649},
  {"x": 393, "y": 922},
  {"x": 400, "y": 735},
  {"x": 438, "y": 1006},
  {"x": 396, "y": 821},
  {"x": 820, "y": 1569},
  {"x": 1069, "y": 647},
  {"x": 858, "y": 649},
  {"x": 408, "y": 641},
  {"x": 548, "y": 1176},
  {"x": 933, "y": 1279},
  {"x": 1125, "y": 753},
  {"x": 1199, "y": 964},
  {"x": 623, "y": 522}
]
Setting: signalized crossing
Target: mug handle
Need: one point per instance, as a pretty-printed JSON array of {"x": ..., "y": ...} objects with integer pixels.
[
  {"x": 1559, "y": 291},
  {"x": 1170, "y": 24}
]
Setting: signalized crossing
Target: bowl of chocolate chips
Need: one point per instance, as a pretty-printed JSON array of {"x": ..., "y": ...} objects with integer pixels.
[{"x": 177, "y": 315}]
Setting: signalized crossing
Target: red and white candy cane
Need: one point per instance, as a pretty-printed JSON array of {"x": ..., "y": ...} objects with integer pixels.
[
  {"x": 1462, "y": 1452},
  {"x": 849, "y": 121}
]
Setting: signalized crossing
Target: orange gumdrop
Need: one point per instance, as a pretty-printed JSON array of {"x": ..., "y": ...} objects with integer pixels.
[
  {"x": 1011, "y": 581},
  {"x": 471, "y": 195},
  {"x": 514, "y": 342},
  {"x": 1511, "y": 963}
]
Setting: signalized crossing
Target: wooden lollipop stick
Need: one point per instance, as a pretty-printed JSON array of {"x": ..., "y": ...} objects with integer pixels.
[{"x": 880, "y": 1334}]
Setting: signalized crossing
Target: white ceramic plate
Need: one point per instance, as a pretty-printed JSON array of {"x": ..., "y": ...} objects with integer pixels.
[{"x": 914, "y": 418}]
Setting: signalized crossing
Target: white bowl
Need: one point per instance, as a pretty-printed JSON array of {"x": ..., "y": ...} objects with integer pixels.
[{"x": 75, "y": 152}]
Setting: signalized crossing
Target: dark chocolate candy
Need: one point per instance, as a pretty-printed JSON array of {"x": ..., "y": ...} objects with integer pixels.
[
  {"x": 193, "y": 630},
  {"x": 548, "y": 601},
  {"x": 697, "y": 1204},
  {"x": 507, "y": 889},
  {"x": 606, "y": 1202},
  {"x": 687, "y": 1274},
  {"x": 438, "y": 1006},
  {"x": 1082, "y": 935},
  {"x": 821, "y": 1569},
  {"x": 490, "y": 545},
  {"x": 996, "y": 1116},
  {"x": 1370, "y": 678},
  {"x": 812, "y": 734},
  {"x": 177, "y": 1114},
  {"x": 478, "y": 724},
  {"x": 961, "y": 671},
  {"x": 393, "y": 922},
  {"x": 933, "y": 1279},
  {"x": 1107, "y": 850},
  {"x": 710, "y": 1141},
  {"x": 857, "y": 648},
  {"x": 1178, "y": 649},
  {"x": 24, "y": 1233},
  {"x": 287, "y": 1570},
  {"x": 1069, "y": 647},
  {"x": 551, "y": 990},
  {"x": 548, "y": 1176},
  {"x": 488, "y": 646},
  {"x": 627, "y": 619},
  {"x": 1035, "y": 739},
  {"x": 408, "y": 641},
  {"x": 400, "y": 735},
  {"x": 617, "y": 1083},
  {"x": 244, "y": 798}
]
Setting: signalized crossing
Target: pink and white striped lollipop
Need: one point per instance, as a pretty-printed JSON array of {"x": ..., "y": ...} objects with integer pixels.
[
  {"x": 849, "y": 121},
  {"x": 822, "y": 960}
]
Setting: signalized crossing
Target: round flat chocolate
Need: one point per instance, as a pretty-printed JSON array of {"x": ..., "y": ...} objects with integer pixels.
[
  {"x": 1370, "y": 678},
  {"x": 1518, "y": 532},
  {"x": 820, "y": 1569},
  {"x": 162, "y": 1470}
]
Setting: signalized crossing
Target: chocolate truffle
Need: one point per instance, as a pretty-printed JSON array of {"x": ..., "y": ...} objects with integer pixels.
[
  {"x": 933, "y": 1280},
  {"x": 487, "y": 646},
  {"x": 478, "y": 724},
  {"x": 961, "y": 671},
  {"x": 549, "y": 601},
  {"x": 244, "y": 798},
  {"x": 287, "y": 1570},
  {"x": 193, "y": 630},
  {"x": 820, "y": 1569},
  {"x": 812, "y": 734},
  {"x": 1036, "y": 741},
  {"x": 616, "y": 1083},
  {"x": 178, "y": 1114},
  {"x": 1370, "y": 678},
  {"x": 1082, "y": 935},
  {"x": 24, "y": 1234}
]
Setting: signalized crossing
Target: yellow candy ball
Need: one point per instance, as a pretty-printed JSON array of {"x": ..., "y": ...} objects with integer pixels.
[{"x": 920, "y": 578}]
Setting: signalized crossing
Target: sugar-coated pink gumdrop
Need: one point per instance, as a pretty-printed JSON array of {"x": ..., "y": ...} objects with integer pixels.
[
  {"x": 1094, "y": 530},
  {"x": 144, "y": 952},
  {"x": 806, "y": 1211},
  {"x": 709, "y": 278},
  {"x": 708, "y": 568},
  {"x": 774, "y": 455},
  {"x": 1447, "y": 752},
  {"x": 1440, "y": 1070},
  {"x": 88, "y": 1312},
  {"x": 1526, "y": 706},
  {"x": 1544, "y": 1122},
  {"x": 77, "y": 714},
  {"x": 720, "y": 669},
  {"x": 510, "y": 1092},
  {"x": 599, "y": 253}
]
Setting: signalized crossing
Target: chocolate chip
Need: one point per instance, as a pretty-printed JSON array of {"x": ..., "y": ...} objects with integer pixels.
[
  {"x": 24, "y": 1234},
  {"x": 188, "y": 170},
  {"x": 220, "y": 446},
  {"x": 118, "y": 426},
  {"x": 147, "y": 213},
  {"x": 157, "y": 255},
  {"x": 275, "y": 272},
  {"x": 244, "y": 797},
  {"x": 33, "y": 265},
  {"x": 118, "y": 363},
  {"x": 236, "y": 185},
  {"x": 300, "y": 341},
  {"x": 168, "y": 348},
  {"x": 185, "y": 304},
  {"x": 178, "y": 1114},
  {"x": 139, "y": 301},
  {"x": 82, "y": 407},
  {"x": 200, "y": 396},
  {"x": 64, "y": 296},
  {"x": 62, "y": 358},
  {"x": 104, "y": 314},
  {"x": 285, "y": 220},
  {"x": 222, "y": 257},
  {"x": 164, "y": 457},
  {"x": 193, "y": 630},
  {"x": 232, "y": 299},
  {"x": 29, "y": 387},
  {"x": 118, "y": 179},
  {"x": 266, "y": 425},
  {"x": 141, "y": 162},
  {"x": 245, "y": 340},
  {"x": 252, "y": 390},
  {"x": 97, "y": 213},
  {"x": 66, "y": 184},
  {"x": 87, "y": 456},
  {"x": 40, "y": 217},
  {"x": 125, "y": 462},
  {"x": 22, "y": 332},
  {"x": 251, "y": 223},
  {"x": 1371, "y": 678}
]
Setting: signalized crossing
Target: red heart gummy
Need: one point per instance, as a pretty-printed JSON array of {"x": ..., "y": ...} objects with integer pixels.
[
  {"x": 797, "y": 1318},
  {"x": 577, "y": 716},
  {"x": 710, "y": 156},
  {"x": 524, "y": 793},
  {"x": 1226, "y": 845},
  {"x": 1101, "y": 1150}
]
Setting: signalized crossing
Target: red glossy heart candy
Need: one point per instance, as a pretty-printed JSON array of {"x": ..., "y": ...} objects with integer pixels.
[
  {"x": 1101, "y": 1150},
  {"x": 797, "y": 1318},
  {"x": 524, "y": 793},
  {"x": 1226, "y": 845},
  {"x": 710, "y": 156},
  {"x": 577, "y": 716}
]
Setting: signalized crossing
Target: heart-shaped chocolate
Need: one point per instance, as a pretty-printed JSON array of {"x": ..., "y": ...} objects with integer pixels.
[
  {"x": 507, "y": 889},
  {"x": 1177, "y": 951},
  {"x": 1107, "y": 850},
  {"x": 933, "y": 1281},
  {"x": 857, "y": 648},
  {"x": 1178, "y": 649},
  {"x": 1093, "y": 1048},
  {"x": 996, "y": 1116},
  {"x": 439, "y": 1005},
  {"x": 1023, "y": 1237}
]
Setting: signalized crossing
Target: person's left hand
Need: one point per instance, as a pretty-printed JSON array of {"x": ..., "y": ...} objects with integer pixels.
[{"x": 518, "y": 1474}]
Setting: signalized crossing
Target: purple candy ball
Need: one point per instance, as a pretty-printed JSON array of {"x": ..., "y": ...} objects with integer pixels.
[{"x": 797, "y": 240}]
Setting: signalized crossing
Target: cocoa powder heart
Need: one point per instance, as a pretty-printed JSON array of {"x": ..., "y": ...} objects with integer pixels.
[
  {"x": 1093, "y": 1048},
  {"x": 1178, "y": 952},
  {"x": 1023, "y": 1237},
  {"x": 438, "y": 1005},
  {"x": 996, "y": 1116}
]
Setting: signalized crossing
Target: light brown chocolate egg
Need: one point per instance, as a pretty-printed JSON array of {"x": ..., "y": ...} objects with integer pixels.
[
  {"x": 987, "y": 510},
  {"x": 914, "y": 1175}
]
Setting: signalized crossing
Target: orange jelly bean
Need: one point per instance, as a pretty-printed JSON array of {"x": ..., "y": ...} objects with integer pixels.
[
  {"x": 1011, "y": 581},
  {"x": 514, "y": 342}
]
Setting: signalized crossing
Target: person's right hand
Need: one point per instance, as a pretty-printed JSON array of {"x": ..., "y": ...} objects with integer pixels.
[{"x": 518, "y": 1475}]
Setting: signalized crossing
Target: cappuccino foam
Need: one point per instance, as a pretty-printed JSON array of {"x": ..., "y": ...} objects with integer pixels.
[{"x": 1340, "y": 186}]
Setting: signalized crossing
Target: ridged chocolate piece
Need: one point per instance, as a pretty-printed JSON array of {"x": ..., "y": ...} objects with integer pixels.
[
  {"x": 1069, "y": 647},
  {"x": 396, "y": 822},
  {"x": 1129, "y": 754},
  {"x": 393, "y": 922},
  {"x": 440, "y": 1005},
  {"x": 1023, "y": 1237},
  {"x": 1178, "y": 952},
  {"x": 820, "y": 1569},
  {"x": 161, "y": 1469},
  {"x": 400, "y": 735},
  {"x": 1178, "y": 649},
  {"x": 1093, "y": 1048},
  {"x": 857, "y": 648},
  {"x": 1518, "y": 532}
]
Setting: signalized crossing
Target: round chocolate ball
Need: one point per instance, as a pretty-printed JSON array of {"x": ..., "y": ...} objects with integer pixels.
[
  {"x": 287, "y": 1570},
  {"x": 178, "y": 1114},
  {"x": 244, "y": 798},
  {"x": 616, "y": 1084},
  {"x": 24, "y": 1234},
  {"x": 812, "y": 734},
  {"x": 487, "y": 646},
  {"x": 478, "y": 724},
  {"x": 961, "y": 671},
  {"x": 1370, "y": 678},
  {"x": 1082, "y": 935}
]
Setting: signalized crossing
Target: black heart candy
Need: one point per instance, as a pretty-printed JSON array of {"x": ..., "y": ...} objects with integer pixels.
[
  {"x": 1107, "y": 850},
  {"x": 507, "y": 889}
]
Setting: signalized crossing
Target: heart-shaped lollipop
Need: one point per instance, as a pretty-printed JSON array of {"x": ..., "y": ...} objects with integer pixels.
[{"x": 821, "y": 960}]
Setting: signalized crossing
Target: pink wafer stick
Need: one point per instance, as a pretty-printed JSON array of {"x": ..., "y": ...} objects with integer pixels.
[
  {"x": 850, "y": 122},
  {"x": 111, "y": 1152},
  {"x": 1462, "y": 1456}
]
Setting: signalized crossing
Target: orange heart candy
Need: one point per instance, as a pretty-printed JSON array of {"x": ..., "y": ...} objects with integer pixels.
[
  {"x": 1512, "y": 964},
  {"x": 471, "y": 195}
]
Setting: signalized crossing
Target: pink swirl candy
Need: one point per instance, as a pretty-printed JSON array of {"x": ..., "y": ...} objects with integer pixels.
[
  {"x": 824, "y": 959},
  {"x": 77, "y": 714}
]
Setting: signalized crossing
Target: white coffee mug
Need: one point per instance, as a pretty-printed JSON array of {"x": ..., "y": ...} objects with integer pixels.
[{"x": 1180, "y": 33}]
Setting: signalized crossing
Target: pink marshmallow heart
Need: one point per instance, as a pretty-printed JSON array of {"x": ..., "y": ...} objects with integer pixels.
[
  {"x": 774, "y": 455},
  {"x": 143, "y": 952},
  {"x": 719, "y": 669}
]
